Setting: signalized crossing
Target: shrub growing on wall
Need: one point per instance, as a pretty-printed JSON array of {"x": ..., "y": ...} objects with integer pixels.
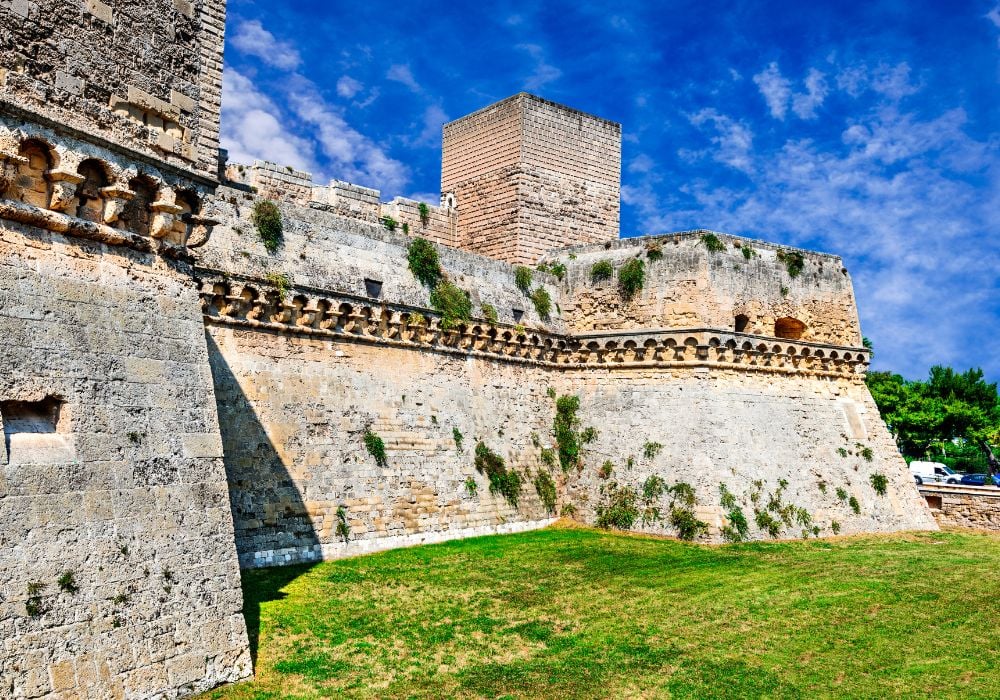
[
  {"x": 794, "y": 262},
  {"x": 712, "y": 243},
  {"x": 880, "y": 483},
  {"x": 631, "y": 278},
  {"x": 267, "y": 219},
  {"x": 682, "y": 512},
  {"x": 376, "y": 448},
  {"x": 619, "y": 509},
  {"x": 564, "y": 427},
  {"x": 522, "y": 278},
  {"x": 503, "y": 481},
  {"x": 546, "y": 489},
  {"x": 424, "y": 262},
  {"x": 489, "y": 313},
  {"x": 425, "y": 213},
  {"x": 542, "y": 301},
  {"x": 452, "y": 302},
  {"x": 602, "y": 270}
]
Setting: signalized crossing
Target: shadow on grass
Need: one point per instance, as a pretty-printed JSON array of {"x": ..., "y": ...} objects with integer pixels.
[{"x": 262, "y": 586}]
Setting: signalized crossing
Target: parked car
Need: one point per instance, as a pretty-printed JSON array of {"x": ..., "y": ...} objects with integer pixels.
[
  {"x": 934, "y": 472},
  {"x": 979, "y": 480}
]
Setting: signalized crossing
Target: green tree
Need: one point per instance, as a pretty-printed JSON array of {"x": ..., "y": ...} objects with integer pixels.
[{"x": 953, "y": 416}]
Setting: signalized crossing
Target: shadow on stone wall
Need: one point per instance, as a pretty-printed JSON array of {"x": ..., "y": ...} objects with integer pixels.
[{"x": 270, "y": 518}]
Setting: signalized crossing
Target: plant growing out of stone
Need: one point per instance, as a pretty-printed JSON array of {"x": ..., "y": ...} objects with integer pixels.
[
  {"x": 605, "y": 470},
  {"x": 842, "y": 451},
  {"x": 654, "y": 251},
  {"x": 653, "y": 489},
  {"x": 712, "y": 243},
  {"x": 619, "y": 509},
  {"x": 631, "y": 277},
  {"x": 564, "y": 428},
  {"x": 406, "y": 228},
  {"x": 343, "y": 527},
  {"x": 454, "y": 304},
  {"x": 737, "y": 528},
  {"x": 556, "y": 268},
  {"x": 588, "y": 435},
  {"x": 568, "y": 510},
  {"x": 651, "y": 449},
  {"x": 864, "y": 452},
  {"x": 794, "y": 262},
  {"x": 457, "y": 436},
  {"x": 375, "y": 447},
  {"x": 855, "y": 506},
  {"x": 747, "y": 251},
  {"x": 281, "y": 283},
  {"x": 880, "y": 483},
  {"x": 546, "y": 489},
  {"x": 422, "y": 258},
  {"x": 841, "y": 493},
  {"x": 522, "y": 278},
  {"x": 601, "y": 270},
  {"x": 267, "y": 219},
  {"x": 505, "y": 482},
  {"x": 424, "y": 212},
  {"x": 542, "y": 301},
  {"x": 682, "y": 512},
  {"x": 489, "y": 313},
  {"x": 67, "y": 582},
  {"x": 471, "y": 486},
  {"x": 34, "y": 605},
  {"x": 389, "y": 223},
  {"x": 835, "y": 526},
  {"x": 548, "y": 457}
]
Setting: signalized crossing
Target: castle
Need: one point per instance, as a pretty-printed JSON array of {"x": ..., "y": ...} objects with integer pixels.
[{"x": 181, "y": 398}]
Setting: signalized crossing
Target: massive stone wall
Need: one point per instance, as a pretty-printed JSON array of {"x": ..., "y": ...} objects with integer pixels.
[
  {"x": 689, "y": 286},
  {"x": 118, "y": 573},
  {"x": 146, "y": 77},
  {"x": 294, "y": 410},
  {"x": 531, "y": 175},
  {"x": 749, "y": 430}
]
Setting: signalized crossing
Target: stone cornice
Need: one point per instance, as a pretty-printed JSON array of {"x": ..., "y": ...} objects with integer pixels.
[{"x": 261, "y": 306}]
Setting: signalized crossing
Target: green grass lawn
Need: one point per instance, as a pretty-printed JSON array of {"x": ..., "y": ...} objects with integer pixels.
[{"x": 575, "y": 613}]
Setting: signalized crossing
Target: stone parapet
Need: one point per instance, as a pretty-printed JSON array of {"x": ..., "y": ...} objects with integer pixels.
[{"x": 964, "y": 506}]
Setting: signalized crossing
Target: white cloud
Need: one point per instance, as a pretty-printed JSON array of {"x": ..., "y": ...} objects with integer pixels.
[
  {"x": 348, "y": 87},
  {"x": 994, "y": 17},
  {"x": 402, "y": 74},
  {"x": 252, "y": 39},
  {"x": 733, "y": 140},
  {"x": 543, "y": 73},
  {"x": 253, "y": 127},
  {"x": 354, "y": 157},
  {"x": 778, "y": 94},
  {"x": 804, "y": 104},
  {"x": 641, "y": 164},
  {"x": 775, "y": 88}
]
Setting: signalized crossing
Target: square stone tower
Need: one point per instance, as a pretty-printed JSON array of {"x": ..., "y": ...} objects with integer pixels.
[{"x": 529, "y": 175}]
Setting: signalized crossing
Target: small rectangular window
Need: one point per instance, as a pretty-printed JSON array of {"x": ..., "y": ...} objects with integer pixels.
[{"x": 35, "y": 432}]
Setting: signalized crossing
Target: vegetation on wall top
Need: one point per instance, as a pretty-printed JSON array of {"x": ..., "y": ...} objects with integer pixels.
[
  {"x": 712, "y": 243},
  {"x": 522, "y": 278},
  {"x": 542, "y": 301},
  {"x": 794, "y": 262}
]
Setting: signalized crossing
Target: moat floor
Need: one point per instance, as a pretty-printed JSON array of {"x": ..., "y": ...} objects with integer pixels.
[{"x": 574, "y": 613}]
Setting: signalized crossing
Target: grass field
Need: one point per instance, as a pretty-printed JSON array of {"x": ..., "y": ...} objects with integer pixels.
[{"x": 575, "y": 613}]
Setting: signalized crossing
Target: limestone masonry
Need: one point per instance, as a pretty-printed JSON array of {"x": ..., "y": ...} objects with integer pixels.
[{"x": 180, "y": 400}]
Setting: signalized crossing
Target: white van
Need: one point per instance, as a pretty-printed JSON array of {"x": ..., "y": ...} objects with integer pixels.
[{"x": 933, "y": 472}]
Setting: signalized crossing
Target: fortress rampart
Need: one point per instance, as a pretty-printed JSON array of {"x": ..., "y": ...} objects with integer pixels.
[{"x": 179, "y": 400}]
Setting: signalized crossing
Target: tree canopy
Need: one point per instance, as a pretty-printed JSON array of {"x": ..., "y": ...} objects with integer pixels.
[{"x": 946, "y": 418}]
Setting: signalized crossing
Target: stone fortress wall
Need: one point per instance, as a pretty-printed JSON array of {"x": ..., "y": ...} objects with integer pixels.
[{"x": 177, "y": 401}]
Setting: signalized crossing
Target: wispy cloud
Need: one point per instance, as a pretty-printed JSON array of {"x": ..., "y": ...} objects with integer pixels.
[
  {"x": 733, "y": 141},
  {"x": 777, "y": 91},
  {"x": 543, "y": 72},
  {"x": 252, "y": 39},
  {"x": 401, "y": 73},
  {"x": 348, "y": 87}
]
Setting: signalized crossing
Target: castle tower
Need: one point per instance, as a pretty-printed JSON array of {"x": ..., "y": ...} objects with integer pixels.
[{"x": 529, "y": 176}]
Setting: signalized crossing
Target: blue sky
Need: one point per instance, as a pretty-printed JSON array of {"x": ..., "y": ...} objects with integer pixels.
[{"x": 866, "y": 129}]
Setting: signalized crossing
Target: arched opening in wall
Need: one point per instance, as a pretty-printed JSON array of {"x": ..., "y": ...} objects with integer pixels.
[
  {"x": 90, "y": 203},
  {"x": 138, "y": 216},
  {"x": 741, "y": 322},
  {"x": 790, "y": 328},
  {"x": 31, "y": 185},
  {"x": 188, "y": 202}
]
